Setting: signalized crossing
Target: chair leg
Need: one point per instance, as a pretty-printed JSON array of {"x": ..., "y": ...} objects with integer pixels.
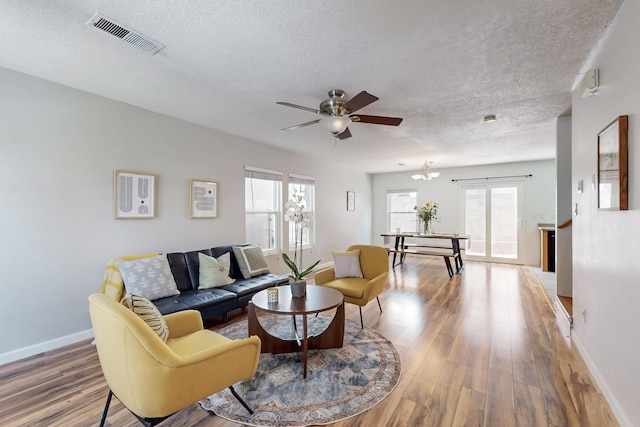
[
  {"x": 379, "y": 304},
  {"x": 106, "y": 409},
  {"x": 361, "y": 322},
  {"x": 240, "y": 399}
]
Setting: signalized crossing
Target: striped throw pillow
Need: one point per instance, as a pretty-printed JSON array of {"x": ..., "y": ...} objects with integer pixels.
[{"x": 147, "y": 312}]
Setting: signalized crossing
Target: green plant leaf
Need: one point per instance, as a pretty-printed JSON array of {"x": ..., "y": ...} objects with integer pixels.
[{"x": 309, "y": 269}]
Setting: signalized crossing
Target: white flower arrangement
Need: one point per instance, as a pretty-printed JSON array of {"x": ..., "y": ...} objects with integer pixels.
[{"x": 295, "y": 213}]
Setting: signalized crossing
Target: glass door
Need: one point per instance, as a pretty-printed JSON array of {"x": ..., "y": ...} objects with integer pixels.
[{"x": 492, "y": 215}]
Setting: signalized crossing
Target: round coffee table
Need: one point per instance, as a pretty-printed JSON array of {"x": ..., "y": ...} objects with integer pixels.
[{"x": 317, "y": 300}]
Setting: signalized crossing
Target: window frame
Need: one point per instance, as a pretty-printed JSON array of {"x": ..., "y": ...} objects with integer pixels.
[
  {"x": 254, "y": 173},
  {"x": 389, "y": 212},
  {"x": 295, "y": 179}
]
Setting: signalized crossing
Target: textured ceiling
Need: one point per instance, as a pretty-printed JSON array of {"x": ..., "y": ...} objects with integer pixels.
[{"x": 441, "y": 65}]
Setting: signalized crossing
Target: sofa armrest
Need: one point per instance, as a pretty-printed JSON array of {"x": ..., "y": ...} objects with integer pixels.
[
  {"x": 324, "y": 276},
  {"x": 183, "y": 323}
]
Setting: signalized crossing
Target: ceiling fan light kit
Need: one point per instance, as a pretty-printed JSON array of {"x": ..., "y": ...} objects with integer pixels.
[
  {"x": 338, "y": 112},
  {"x": 336, "y": 124}
]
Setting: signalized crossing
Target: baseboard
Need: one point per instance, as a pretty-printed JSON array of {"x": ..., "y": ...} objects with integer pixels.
[
  {"x": 602, "y": 384},
  {"x": 21, "y": 353}
]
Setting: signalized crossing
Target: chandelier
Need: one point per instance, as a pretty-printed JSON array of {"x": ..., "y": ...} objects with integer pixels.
[{"x": 426, "y": 173}]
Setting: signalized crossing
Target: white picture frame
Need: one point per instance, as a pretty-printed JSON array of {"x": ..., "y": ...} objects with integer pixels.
[
  {"x": 134, "y": 195},
  {"x": 203, "y": 199},
  {"x": 351, "y": 200}
]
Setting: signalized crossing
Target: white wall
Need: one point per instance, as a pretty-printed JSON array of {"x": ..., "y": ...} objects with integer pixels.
[
  {"x": 539, "y": 198},
  {"x": 58, "y": 150},
  {"x": 606, "y": 245}
]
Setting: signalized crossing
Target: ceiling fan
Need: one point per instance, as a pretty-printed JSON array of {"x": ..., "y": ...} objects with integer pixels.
[{"x": 338, "y": 112}]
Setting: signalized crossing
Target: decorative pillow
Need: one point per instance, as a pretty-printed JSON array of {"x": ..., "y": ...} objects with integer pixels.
[
  {"x": 347, "y": 264},
  {"x": 214, "y": 272},
  {"x": 147, "y": 312},
  {"x": 148, "y": 277},
  {"x": 251, "y": 261}
]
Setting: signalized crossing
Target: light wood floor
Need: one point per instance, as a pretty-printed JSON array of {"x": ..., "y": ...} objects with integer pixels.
[{"x": 481, "y": 349}]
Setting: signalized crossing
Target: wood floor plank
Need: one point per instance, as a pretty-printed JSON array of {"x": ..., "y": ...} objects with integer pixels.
[
  {"x": 480, "y": 349},
  {"x": 470, "y": 408}
]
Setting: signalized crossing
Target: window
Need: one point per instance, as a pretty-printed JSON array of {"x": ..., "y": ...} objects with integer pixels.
[
  {"x": 262, "y": 201},
  {"x": 305, "y": 187},
  {"x": 400, "y": 213}
]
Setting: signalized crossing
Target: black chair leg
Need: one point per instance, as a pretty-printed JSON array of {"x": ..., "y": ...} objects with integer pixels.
[
  {"x": 240, "y": 399},
  {"x": 106, "y": 409},
  {"x": 379, "y": 304},
  {"x": 361, "y": 322}
]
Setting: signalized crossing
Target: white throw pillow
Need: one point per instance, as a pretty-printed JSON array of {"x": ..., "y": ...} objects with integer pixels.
[
  {"x": 251, "y": 261},
  {"x": 214, "y": 272},
  {"x": 147, "y": 312},
  {"x": 347, "y": 264},
  {"x": 148, "y": 277}
]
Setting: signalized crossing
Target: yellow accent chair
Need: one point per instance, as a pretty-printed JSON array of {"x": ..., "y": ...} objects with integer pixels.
[
  {"x": 374, "y": 263},
  {"x": 155, "y": 379}
]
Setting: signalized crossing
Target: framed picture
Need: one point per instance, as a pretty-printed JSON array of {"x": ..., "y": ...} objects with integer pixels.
[
  {"x": 204, "y": 199},
  {"x": 134, "y": 195},
  {"x": 612, "y": 166},
  {"x": 351, "y": 201}
]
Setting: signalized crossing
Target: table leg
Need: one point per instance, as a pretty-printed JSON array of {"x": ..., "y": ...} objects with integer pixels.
[
  {"x": 457, "y": 255},
  {"x": 332, "y": 337},
  {"x": 305, "y": 346}
]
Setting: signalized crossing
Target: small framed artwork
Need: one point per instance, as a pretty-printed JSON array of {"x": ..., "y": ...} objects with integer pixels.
[
  {"x": 134, "y": 195},
  {"x": 204, "y": 199},
  {"x": 351, "y": 201},
  {"x": 612, "y": 166}
]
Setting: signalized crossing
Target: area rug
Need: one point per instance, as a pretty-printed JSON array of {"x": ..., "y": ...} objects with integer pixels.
[{"x": 340, "y": 383}]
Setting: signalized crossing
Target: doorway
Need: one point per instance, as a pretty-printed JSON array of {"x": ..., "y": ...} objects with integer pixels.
[{"x": 492, "y": 214}]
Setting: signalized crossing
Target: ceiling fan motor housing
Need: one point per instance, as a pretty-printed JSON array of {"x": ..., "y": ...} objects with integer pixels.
[{"x": 332, "y": 106}]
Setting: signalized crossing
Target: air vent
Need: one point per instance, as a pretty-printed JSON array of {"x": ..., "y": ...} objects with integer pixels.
[{"x": 110, "y": 26}]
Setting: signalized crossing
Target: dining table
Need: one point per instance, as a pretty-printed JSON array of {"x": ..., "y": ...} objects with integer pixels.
[{"x": 446, "y": 245}]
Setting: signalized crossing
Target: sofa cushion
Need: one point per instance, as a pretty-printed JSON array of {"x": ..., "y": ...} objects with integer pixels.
[
  {"x": 347, "y": 264},
  {"x": 196, "y": 300},
  {"x": 251, "y": 261},
  {"x": 250, "y": 286},
  {"x": 178, "y": 264},
  {"x": 148, "y": 312},
  {"x": 148, "y": 277},
  {"x": 214, "y": 272}
]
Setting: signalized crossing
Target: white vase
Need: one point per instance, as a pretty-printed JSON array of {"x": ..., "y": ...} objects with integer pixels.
[{"x": 298, "y": 288}]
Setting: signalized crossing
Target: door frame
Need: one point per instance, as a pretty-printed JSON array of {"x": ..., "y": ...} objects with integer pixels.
[{"x": 488, "y": 257}]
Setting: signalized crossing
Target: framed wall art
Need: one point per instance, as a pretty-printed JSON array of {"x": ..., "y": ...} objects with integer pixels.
[
  {"x": 134, "y": 195},
  {"x": 351, "y": 201},
  {"x": 612, "y": 166},
  {"x": 204, "y": 199}
]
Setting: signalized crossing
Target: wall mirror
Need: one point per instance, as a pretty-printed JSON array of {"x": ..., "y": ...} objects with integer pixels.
[{"x": 612, "y": 166}]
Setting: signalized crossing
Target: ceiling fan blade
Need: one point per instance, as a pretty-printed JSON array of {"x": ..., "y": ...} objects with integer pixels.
[
  {"x": 301, "y": 125},
  {"x": 344, "y": 135},
  {"x": 377, "y": 120},
  {"x": 300, "y": 107},
  {"x": 359, "y": 101}
]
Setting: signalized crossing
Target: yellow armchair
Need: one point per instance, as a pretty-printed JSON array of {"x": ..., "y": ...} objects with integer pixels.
[
  {"x": 374, "y": 263},
  {"x": 154, "y": 379}
]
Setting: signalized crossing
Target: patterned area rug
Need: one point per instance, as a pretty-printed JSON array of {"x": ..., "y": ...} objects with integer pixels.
[{"x": 340, "y": 383}]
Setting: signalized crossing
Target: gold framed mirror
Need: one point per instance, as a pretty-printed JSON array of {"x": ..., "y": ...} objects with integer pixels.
[{"x": 612, "y": 166}]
